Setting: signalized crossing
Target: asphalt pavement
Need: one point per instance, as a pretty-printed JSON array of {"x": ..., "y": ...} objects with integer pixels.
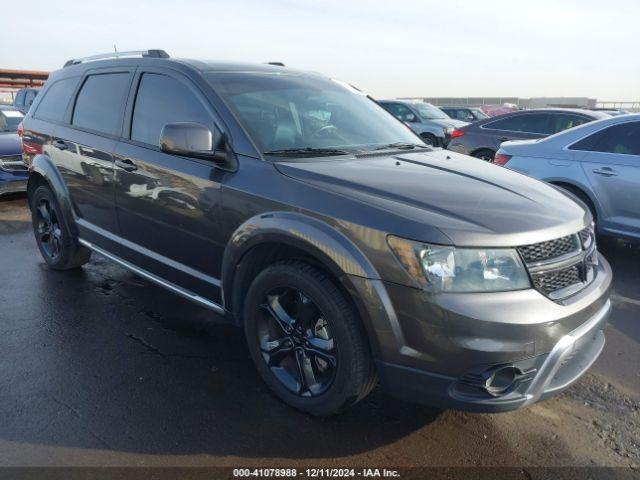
[{"x": 99, "y": 367}]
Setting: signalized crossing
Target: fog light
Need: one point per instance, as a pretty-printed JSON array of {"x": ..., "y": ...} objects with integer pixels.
[{"x": 501, "y": 380}]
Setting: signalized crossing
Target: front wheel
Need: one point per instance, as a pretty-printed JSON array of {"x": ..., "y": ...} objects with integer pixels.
[
  {"x": 306, "y": 339},
  {"x": 429, "y": 139}
]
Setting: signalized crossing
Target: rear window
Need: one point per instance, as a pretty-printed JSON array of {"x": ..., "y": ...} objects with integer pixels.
[
  {"x": 100, "y": 102},
  {"x": 620, "y": 139},
  {"x": 56, "y": 98}
]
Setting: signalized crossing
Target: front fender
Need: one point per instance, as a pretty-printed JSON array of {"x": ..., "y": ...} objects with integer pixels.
[
  {"x": 309, "y": 234},
  {"x": 42, "y": 166}
]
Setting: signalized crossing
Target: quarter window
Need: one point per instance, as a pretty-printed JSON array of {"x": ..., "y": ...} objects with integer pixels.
[
  {"x": 161, "y": 100},
  {"x": 564, "y": 121},
  {"x": 100, "y": 102},
  {"x": 56, "y": 99},
  {"x": 621, "y": 139}
]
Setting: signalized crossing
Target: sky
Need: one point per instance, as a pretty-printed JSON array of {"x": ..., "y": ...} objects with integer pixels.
[{"x": 393, "y": 48}]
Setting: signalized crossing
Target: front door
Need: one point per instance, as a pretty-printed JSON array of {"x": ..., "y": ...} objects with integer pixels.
[{"x": 167, "y": 205}]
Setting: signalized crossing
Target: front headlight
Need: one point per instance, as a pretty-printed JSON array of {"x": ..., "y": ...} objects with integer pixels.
[{"x": 448, "y": 269}]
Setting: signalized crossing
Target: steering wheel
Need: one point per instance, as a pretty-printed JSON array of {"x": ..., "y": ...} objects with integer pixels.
[{"x": 322, "y": 131}]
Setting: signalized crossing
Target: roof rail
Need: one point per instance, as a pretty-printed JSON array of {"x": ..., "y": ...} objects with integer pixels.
[
  {"x": 156, "y": 53},
  {"x": 277, "y": 64}
]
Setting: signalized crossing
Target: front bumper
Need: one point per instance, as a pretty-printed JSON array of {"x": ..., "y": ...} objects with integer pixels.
[
  {"x": 12, "y": 183},
  {"x": 547, "y": 375},
  {"x": 443, "y": 349}
]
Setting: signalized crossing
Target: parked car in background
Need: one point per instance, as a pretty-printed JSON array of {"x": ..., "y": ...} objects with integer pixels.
[
  {"x": 495, "y": 110},
  {"x": 598, "y": 162},
  {"x": 465, "y": 114},
  {"x": 482, "y": 139},
  {"x": 24, "y": 98},
  {"x": 430, "y": 123},
  {"x": 346, "y": 249},
  {"x": 13, "y": 172}
]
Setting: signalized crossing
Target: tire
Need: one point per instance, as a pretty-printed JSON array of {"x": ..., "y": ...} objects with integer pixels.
[
  {"x": 297, "y": 365},
  {"x": 58, "y": 246},
  {"x": 484, "y": 154},
  {"x": 430, "y": 139}
]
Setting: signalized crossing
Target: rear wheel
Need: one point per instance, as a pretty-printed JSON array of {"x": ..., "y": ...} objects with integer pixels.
[
  {"x": 58, "y": 246},
  {"x": 484, "y": 154},
  {"x": 306, "y": 340}
]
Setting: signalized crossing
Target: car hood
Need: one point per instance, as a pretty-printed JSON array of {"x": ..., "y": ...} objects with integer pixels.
[
  {"x": 10, "y": 144},
  {"x": 450, "y": 123},
  {"x": 471, "y": 202}
]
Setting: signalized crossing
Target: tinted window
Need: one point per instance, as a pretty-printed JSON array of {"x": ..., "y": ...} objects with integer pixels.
[
  {"x": 564, "y": 121},
  {"x": 19, "y": 98},
  {"x": 528, "y": 123},
  {"x": 621, "y": 139},
  {"x": 161, "y": 100},
  {"x": 29, "y": 97},
  {"x": 100, "y": 101},
  {"x": 400, "y": 112},
  {"x": 56, "y": 98}
]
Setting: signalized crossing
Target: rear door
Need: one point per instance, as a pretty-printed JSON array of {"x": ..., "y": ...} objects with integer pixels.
[
  {"x": 612, "y": 166},
  {"x": 167, "y": 205},
  {"x": 83, "y": 152}
]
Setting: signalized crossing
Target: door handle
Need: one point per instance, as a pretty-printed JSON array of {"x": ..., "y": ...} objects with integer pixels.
[
  {"x": 126, "y": 165},
  {"x": 605, "y": 172},
  {"x": 60, "y": 145}
]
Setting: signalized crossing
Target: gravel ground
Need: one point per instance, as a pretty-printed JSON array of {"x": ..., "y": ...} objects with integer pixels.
[{"x": 99, "y": 367}]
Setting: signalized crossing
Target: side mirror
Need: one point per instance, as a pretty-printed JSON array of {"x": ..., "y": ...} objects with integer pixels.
[{"x": 190, "y": 139}]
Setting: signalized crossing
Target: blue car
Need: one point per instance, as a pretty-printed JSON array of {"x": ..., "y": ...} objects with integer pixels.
[{"x": 13, "y": 171}]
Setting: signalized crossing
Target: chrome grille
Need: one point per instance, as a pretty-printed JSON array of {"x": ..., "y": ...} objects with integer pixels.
[
  {"x": 550, "y": 249},
  {"x": 550, "y": 282},
  {"x": 561, "y": 267},
  {"x": 13, "y": 163}
]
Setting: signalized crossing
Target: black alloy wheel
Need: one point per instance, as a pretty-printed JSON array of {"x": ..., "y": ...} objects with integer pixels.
[
  {"x": 296, "y": 342},
  {"x": 48, "y": 229}
]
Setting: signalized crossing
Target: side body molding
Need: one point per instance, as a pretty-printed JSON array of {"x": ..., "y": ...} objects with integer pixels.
[{"x": 43, "y": 166}]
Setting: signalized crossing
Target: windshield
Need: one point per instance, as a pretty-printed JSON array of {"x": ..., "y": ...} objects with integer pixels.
[
  {"x": 9, "y": 120},
  {"x": 427, "y": 111},
  {"x": 479, "y": 114},
  {"x": 283, "y": 111}
]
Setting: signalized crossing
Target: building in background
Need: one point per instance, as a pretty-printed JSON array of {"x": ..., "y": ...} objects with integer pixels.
[{"x": 13, "y": 80}]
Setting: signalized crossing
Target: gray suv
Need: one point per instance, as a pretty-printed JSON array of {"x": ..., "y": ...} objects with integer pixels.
[
  {"x": 347, "y": 250},
  {"x": 429, "y": 122}
]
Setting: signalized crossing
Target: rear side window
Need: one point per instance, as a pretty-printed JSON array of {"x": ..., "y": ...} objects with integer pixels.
[
  {"x": 161, "y": 100},
  {"x": 56, "y": 99},
  {"x": 19, "y": 101},
  {"x": 564, "y": 121},
  {"x": 100, "y": 102},
  {"x": 621, "y": 139},
  {"x": 528, "y": 123}
]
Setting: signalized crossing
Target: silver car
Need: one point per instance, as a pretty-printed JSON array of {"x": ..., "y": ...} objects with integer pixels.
[{"x": 598, "y": 162}]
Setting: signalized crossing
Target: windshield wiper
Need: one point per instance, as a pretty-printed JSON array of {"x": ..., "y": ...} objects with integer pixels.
[
  {"x": 307, "y": 151},
  {"x": 401, "y": 146}
]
